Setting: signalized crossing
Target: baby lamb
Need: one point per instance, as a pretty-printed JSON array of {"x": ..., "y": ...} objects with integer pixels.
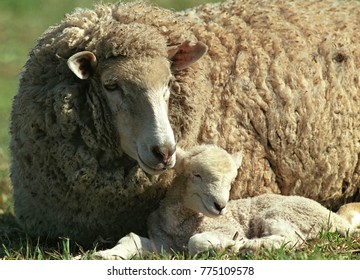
[{"x": 193, "y": 215}]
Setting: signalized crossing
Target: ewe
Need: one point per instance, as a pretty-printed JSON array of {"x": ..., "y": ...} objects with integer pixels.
[
  {"x": 278, "y": 79},
  {"x": 193, "y": 213}
]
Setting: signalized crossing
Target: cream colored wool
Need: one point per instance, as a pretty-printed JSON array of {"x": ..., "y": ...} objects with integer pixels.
[{"x": 280, "y": 81}]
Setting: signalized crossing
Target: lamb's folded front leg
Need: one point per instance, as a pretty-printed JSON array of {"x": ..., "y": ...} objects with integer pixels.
[
  {"x": 131, "y": 245},
  {"x": 208, "y": 240}
]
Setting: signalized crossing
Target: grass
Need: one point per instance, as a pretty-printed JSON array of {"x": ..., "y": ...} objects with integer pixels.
[
  {"x": 329, "y": 246},
  {"x": 16, "y": 245},
  {"x": 21, "y": 23}
]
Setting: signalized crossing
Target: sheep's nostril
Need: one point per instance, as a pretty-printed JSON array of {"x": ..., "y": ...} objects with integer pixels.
[
  {"x": 164, "y": 154},
  {"x": 218, "y": 206}
]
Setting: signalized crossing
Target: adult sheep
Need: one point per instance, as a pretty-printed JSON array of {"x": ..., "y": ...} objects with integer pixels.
[{"x": 279, "y": 80}]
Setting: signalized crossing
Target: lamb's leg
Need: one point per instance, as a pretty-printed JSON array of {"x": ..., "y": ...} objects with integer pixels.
[
  {"x": 208, "y": 240},
  {"x": 277, "y": 233},
  {"x": 129, "y": 246},
  {"x": 351, "y": 212},
  {"x": 269, "y": 242}
]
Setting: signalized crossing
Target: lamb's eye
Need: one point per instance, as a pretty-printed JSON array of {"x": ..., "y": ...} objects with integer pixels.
[{"x": 111, "y": 86}]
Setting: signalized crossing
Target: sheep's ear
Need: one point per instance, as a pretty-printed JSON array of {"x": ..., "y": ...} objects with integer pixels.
[
  {"x": 237, "y": 157},
  {"x": 83, "y": 64},
  {"x": 185, "y": 54}
]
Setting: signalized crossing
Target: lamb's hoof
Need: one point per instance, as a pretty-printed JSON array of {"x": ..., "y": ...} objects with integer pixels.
[{"x": 106, "y": 255}]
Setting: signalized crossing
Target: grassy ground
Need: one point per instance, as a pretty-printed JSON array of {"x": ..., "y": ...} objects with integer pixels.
[
  {"x": 21, "y": 22},
  {"x": 17, "y": 246}
]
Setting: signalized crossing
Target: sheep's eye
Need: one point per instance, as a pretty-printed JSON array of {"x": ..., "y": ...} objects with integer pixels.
[
  {"x": 111, "y": 86},
  {"x": 197, "y": 177}
]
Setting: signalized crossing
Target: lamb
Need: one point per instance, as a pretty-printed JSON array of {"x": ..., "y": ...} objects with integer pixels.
[
  {"x": 196, "y": 215},
  {"x": 107, "y": 94}
]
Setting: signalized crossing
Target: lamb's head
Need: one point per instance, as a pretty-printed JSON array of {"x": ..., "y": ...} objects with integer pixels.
[
  {"x": 132, "y": 67},
  {"x": 207, "y": 172}
]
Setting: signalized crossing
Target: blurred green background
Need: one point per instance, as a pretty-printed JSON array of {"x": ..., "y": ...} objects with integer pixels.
[{"x": 21, "y": 23}]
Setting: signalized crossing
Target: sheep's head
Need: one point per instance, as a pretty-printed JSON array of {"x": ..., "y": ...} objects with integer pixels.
[
  {"x": 137, "y": 89},
  {"x": 208, "y": 171}
]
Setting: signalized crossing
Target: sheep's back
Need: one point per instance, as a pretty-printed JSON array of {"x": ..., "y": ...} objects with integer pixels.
[{"x": 285, "y": 90}]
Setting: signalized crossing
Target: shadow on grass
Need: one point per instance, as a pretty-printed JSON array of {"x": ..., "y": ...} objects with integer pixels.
[
  {"x": 11, "y": 235},
  {"x": 15, "y": 244}
]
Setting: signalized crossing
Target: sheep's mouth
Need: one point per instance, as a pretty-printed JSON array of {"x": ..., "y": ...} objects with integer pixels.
[{"x": 149, "y": 169}]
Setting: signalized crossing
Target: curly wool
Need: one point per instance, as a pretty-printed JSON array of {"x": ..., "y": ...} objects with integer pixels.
[
  {"x": 285, "y": 79},
  {"x": 280, "y": 81},
  {"x": 68, "y": 170}
]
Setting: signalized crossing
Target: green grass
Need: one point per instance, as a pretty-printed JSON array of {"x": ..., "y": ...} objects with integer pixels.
[
  {"x": 21, "y": 22},
  {"x": 16, "y": 245}
]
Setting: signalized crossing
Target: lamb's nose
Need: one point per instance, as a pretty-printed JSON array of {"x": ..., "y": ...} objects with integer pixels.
[
  {"x": 219, "y": 207},
  {"x": 164, "y": 153}
]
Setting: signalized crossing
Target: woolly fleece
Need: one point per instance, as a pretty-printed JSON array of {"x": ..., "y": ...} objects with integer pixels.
[{"x": 280, "y": 80}]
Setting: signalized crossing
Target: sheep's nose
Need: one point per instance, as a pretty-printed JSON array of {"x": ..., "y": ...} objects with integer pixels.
[{"x": 164, "y": 153}]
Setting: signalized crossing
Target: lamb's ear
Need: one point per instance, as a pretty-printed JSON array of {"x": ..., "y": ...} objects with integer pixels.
[
  {"x": 237, "y": 157},
  {"x": 180, "y": 158},
  {"x": 186, "y": 54},
  {"x": 83, "y": 64}
]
